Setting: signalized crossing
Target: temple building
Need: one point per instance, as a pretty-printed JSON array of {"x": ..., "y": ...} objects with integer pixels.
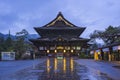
[{"x": 60, "y": 36}]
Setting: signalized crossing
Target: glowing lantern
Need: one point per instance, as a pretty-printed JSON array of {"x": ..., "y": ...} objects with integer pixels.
[
  {"x": 55, "y": 51},
  {"x": 64, "y": 51},
  {"x": 48, "y": 51},
  {"x": 71, "y": 51}
]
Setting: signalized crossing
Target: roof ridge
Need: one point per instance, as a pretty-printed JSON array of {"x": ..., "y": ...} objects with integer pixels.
[{"x": 59, "y": 18}]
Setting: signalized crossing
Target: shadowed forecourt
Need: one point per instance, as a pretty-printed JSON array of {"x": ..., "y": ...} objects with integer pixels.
[
  {"x": 10, "y": 67},
  {"x": 49, "y": 69}
]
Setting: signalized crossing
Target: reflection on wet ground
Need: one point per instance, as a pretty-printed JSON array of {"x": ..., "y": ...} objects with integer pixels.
[
  {"x": 60, "y": 69},
  {"x": 90, "y": 73}
]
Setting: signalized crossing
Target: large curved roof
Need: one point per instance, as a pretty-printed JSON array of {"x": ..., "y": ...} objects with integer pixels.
[{"x": 58, "y": 24}]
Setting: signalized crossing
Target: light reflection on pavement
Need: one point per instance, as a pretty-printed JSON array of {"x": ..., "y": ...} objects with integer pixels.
[
  {"x": 67, "y": 69},
  {"x": 58, "y": 69}
]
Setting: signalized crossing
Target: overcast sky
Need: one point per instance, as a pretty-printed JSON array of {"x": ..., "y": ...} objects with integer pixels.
[{"x": 16, "y": 15}]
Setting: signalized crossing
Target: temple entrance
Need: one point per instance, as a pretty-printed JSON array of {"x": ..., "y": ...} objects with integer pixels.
[
  {"x": 64, "y": 52},
  {"x": 59, "y": 51}
]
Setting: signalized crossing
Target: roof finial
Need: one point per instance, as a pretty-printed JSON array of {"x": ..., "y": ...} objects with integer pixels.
[{"x": 60, "y": 13}]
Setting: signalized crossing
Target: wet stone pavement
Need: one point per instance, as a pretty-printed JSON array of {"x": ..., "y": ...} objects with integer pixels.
[
  {"x": 67, "y": 69},
  {"x": 30, "y": 73},
  {"x": 58, "y": 69}
]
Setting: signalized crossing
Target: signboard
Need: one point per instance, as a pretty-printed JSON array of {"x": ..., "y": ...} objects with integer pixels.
[
  {"x": 60, "y": 47},
  {"x": 7, "y": 55}
]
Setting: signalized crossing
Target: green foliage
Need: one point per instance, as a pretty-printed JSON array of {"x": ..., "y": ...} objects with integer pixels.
[
  {"x": 20, "y": 45},
  {"x": 9, "y": 44},
  {"x": 94, "y": 46},
  {"x": 6, "y": 45},
  {"x": 22, "y": 35},
  {"x": 2, "y": 47},
  {"x": 109, "y": 36}
]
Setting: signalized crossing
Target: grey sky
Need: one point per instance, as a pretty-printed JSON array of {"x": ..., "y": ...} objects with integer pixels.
[{"x": 16, "y": 15}]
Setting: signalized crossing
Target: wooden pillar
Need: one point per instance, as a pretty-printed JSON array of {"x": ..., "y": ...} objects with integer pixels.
[
  {"x": 102, "y": 54},
  {"x": 111, "y": 56}
]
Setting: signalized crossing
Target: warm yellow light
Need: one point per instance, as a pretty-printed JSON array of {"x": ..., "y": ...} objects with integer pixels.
[
  {"x": 64, "y": 51},
  {"x": 71, "y": 51},
  {"x": 48, "y": 65},
  {"x": 60, "y": 47},
  {"x": 98, "y": 53},
  {"x": 96, "y": 56},
  {"x": 64, "y": 65},
  {"x": 109, "y": 57},
  {"x": 48, "y": 51},
  {"x": 55, "y": 65},
  {"x": 55, "y": 51},
  {"x": 71, "y": 64}
]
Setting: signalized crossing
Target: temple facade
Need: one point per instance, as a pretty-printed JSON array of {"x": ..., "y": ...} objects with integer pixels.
[{"x": 60, "y": 36}]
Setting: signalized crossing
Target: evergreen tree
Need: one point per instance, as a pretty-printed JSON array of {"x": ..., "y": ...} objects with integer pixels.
[
  {"x": 109, "y": 36},
  {"x": 2, "y": 41},
  {"x": 20, "y": 45},
  {"x": 9, "y": 43}
]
